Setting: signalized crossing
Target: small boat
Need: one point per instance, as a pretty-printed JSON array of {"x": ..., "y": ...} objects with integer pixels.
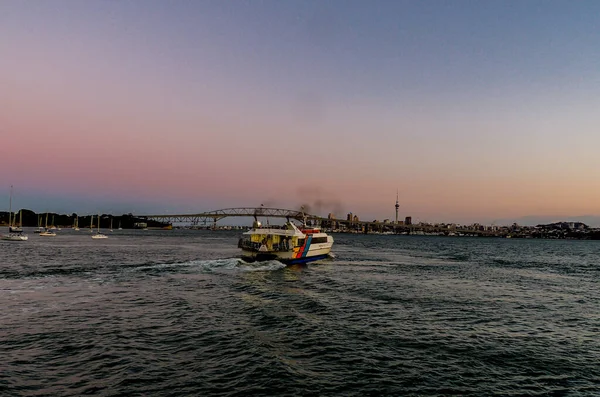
[
  {"x": 288, "y": 244},
  {"x": 39, "y": 228},
  {"x": 76, "y": 224},
  {"x": 52, "y": 227},
  {"x": 14, "y": 237},
  {"x": 12, "y": 227},
  {"x": 47, "y": 232},
  {"x": 15, "y": 233},
  {"x": 98, "y": 234}
]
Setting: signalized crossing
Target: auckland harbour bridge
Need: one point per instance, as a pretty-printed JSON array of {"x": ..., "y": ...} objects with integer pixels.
[{"x": 211, "y": 217}]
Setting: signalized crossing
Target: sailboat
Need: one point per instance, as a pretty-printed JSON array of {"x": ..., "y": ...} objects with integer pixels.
[
  {"x": 39, "y": 228},
  {"x": 14, "y": 233},
  {"x": 76, "y": 225},
  {"x": 120, "y": 228},
  {"x": 98, "y": 234},
  {"x": 14, "y": 237},
  {"x": 52, "y": 227},
  {"x": 47, "y": 232},
  {"x": 12, "y": 227},
  {"x": 111, "y": 229}
]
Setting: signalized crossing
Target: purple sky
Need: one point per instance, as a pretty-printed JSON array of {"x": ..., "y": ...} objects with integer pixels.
[{"x": 475, "y": 110}]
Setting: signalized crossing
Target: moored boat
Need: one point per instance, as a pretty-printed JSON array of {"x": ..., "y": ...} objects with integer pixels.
[
  {"x": 12, "y": 226},
  {"x": 287, "y": 244},
  {"x": 14, "y": 237},
  {"x": 98, "y": 235},
  {"x": 15, "y": 233}
]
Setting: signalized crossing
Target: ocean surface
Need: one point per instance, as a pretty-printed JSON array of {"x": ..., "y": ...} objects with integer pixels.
[{"x": 173, "y": 313}]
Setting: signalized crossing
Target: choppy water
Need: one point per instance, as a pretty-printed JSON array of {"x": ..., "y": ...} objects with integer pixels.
[{"x": 167, "y": 313}]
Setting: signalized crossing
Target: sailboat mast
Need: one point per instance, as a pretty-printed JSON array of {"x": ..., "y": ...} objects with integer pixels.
[
  {"x": 98, "y": 223},
  {"x": 10, "y": 207},
  {"x": 46, "y": 220},
  {"x": 92, "y": 224},
  {"x": 21, "y": 218}
]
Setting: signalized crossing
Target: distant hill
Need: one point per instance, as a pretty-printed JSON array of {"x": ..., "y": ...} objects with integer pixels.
[
  {"x": 564, "y": 225},
  {"x": 533, "y": 220}
]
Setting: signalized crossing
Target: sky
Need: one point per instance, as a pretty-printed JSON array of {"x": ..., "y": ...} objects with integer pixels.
[{"x": 475, "y": 111}]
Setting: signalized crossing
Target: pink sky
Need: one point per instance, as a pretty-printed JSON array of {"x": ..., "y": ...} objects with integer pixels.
[{"x": 106, "y": 102}]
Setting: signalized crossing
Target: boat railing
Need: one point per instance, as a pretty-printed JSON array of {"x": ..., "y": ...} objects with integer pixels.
[{"x": 276, "y": 247}]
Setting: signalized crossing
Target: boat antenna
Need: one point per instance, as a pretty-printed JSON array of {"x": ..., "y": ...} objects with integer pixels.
[
  {"x": 303, "y": 217},
  {"x": 256, "y": 223}
]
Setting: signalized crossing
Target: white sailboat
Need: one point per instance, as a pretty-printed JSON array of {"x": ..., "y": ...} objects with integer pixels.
[
  {"x": 120, "y": 228},
  {"x": 15, "y": 233},
  {"x": 76, "y": 225},
  {"x": 98, "y": 234},
  {"x": 52, "y": 227},
  {"x": 39, "y": 228},
  {"x": 12, "y": 227},
  {"x": 47, "y": 232},
  {"x": 13, "y": 237},
  {"x": 111, "y": 229}
]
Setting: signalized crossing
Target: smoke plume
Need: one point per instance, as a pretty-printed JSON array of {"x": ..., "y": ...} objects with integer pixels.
[{"x": 318, "y": 201}]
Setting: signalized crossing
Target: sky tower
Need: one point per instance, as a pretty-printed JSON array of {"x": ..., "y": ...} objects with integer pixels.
[{"x": 397, "y": 206}]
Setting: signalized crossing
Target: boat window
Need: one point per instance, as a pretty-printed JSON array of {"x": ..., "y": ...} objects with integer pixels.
[
  {"x": 319, "y": 240},
  {"x": 300, "y": 242}
]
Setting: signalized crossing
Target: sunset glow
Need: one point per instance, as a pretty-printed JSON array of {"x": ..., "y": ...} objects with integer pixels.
[{"x": 475, "y": 111}]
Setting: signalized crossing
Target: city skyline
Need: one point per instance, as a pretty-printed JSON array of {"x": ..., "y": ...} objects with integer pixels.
[{"x": 475, "y": 111}]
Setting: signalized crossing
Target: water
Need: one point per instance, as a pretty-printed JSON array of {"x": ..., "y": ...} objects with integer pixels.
[{"x": 172, "y": 314}]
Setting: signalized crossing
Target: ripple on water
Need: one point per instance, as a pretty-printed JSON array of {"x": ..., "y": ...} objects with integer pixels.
[{"x": 176, "y": 314}]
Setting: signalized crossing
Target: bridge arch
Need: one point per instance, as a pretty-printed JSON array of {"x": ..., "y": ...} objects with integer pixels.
[{"x": 217, "y": 215}]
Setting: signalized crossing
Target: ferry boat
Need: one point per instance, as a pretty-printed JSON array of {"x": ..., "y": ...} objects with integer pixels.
[{"x": 287, "y": 244}]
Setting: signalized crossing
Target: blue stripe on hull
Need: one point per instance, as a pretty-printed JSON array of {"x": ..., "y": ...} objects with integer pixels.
[
  {"x": 303, "y": 260},
  {"x": 307, "y": 245}
]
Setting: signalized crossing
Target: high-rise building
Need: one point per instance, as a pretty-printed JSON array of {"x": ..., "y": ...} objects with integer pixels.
[
  {"x": 349, "y": 216},
  {"x": 408, "y": 220}
]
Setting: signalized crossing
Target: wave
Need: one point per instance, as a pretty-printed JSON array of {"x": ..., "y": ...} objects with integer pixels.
[{"x": 228, "y": 264}]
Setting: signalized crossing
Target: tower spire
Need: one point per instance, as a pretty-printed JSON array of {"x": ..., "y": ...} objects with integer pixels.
[{"x": 397, "y": 206}]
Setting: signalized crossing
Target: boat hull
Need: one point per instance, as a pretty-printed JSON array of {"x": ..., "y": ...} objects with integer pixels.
[
  {"x": 288, "y": 261},
  {"x": 14, "y": 238}
]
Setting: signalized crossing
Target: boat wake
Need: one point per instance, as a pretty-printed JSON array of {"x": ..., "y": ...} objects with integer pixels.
[{"x": 220, "y": 265}]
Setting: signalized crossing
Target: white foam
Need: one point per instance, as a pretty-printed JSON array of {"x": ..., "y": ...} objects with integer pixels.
[{"x": 229, "y": 264}]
